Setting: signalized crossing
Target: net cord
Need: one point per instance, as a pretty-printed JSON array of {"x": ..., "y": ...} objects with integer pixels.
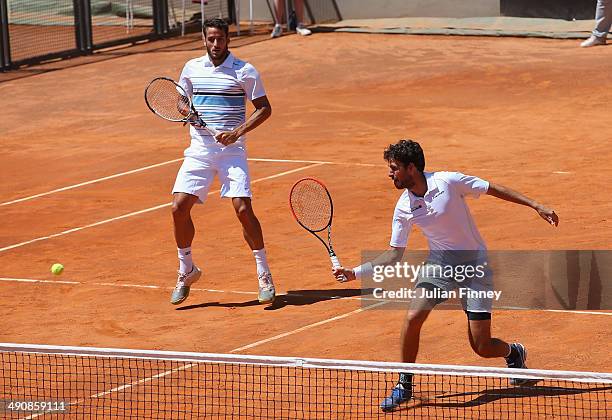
[{"x": 315, "y": 363}]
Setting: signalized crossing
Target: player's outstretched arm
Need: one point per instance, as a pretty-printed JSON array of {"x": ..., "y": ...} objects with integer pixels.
[
  {"x": 389, "y": 257},
  {"x": 508, "y": 194}
]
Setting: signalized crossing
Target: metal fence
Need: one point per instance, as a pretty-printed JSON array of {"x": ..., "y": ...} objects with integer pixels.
[{"x": 33, "y": 31}]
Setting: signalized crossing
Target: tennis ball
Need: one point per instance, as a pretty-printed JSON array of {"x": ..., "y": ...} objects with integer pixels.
[{"x": 57, "y": 269}]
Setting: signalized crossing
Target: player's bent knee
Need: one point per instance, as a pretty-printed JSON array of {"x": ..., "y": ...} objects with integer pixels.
[
  {"x": 243, "y": 209},
  {"x": 416, "y": 319}
]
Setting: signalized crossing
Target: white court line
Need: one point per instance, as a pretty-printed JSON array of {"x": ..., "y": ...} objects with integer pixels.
[
  {"x": 40, "y": 281},
  {"x": 318, "y": 161},
  {"x": 93, "y": 181},
  {"x": 240, "y": 292},
  {"x": 126, "y": 285},
  {"x": 306, "y": 327},
  {"x": 106, "y": 178},
  {"x": 125, "y": 216}
]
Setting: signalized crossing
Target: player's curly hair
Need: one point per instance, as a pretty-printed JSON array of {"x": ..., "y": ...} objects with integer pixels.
[
  {"x": 216, "y": 23},
  {"x": 405, "y": 152}
]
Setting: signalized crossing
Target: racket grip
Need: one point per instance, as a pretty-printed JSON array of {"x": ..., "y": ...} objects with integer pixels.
[{"x": 336, "y": 264}]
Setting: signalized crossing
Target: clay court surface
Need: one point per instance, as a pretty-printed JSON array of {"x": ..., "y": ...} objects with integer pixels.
[{"x": 528, "y": 113}]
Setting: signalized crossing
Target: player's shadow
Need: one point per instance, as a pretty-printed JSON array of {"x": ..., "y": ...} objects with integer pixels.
[
  {"x": 291, "y": 298},
  {"x": 309, "y": 297},
  {"x": 248, "y": 303},
  {"x": 486, "y": 396}
]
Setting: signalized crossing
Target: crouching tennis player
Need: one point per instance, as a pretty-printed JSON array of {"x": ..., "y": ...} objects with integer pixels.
[{"x": 435, "y": 201}]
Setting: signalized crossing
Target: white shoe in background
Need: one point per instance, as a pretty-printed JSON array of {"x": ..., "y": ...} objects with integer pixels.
[
  {"x": 593, "y": 41},
  {"x": 302, "y": 30},
  {"x": 277, "y": 31}
]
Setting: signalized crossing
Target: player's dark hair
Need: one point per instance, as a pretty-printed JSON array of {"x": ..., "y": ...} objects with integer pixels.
[
  {"x": 216, "y": 23},
  {"x": 406, "y": 152}
]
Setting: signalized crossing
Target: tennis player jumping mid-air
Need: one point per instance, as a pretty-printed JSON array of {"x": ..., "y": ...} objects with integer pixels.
[
  {"x": 435, "y": 201},
  {"x": 218, "y": 84}
]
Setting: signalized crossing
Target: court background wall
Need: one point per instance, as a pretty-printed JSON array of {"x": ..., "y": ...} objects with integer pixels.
[{"x": 361, "y": 9}]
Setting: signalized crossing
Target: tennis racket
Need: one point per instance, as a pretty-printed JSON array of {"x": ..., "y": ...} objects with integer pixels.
[
  {"x": 167, "y": 99},
  {"x": 312, "y": 207}
]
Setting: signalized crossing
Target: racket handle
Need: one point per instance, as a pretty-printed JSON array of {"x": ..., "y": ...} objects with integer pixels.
[
  {"x": 336, "y": 264},
  {"x": 212, "y": 131},
  {"x": 206, "y": 127}
]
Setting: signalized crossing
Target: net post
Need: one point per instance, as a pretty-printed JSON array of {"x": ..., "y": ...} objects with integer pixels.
[{"x": 5, "y": 45}]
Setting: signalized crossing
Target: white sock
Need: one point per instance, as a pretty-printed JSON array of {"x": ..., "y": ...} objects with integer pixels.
[
  {"x": 261, "y": 261},
  {"x": 185, "y": 260}
]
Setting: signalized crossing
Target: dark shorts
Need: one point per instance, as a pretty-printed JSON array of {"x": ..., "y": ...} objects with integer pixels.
[{"x": 474, "y": 292}]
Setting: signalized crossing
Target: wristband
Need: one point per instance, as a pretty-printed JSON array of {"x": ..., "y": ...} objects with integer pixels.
[{"x": 363, "y": 270}]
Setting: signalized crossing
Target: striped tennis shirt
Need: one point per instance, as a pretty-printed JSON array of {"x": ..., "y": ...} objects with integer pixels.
[{"x": 218, "y": 94}]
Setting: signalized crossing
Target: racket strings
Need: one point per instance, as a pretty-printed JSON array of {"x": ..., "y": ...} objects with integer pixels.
[
  {"x": 311, "y": 205},
  {"x": 164, "y": 97}
]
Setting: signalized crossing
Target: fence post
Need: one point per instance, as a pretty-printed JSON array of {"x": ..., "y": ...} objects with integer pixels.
[
  {"x": 231, "y": 8},
  {"x": 82, "y": 26},
  {"x": 5, "y": 45},
  {"x": 160, "y": 17}
]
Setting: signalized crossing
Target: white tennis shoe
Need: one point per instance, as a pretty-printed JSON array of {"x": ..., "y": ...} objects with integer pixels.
[
  {"x": 593, "y": 41},
  {"x": 277, "y": 31},
  {"x": 301, "y": 30},
  {"x": 267, "y": 293},
  {"x": 183, "y": 284}
]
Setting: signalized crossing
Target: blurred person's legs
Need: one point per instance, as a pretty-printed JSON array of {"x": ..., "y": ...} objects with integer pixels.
[
  {"x": 279, "y": 16},
  {"x": 299, "y": 14},
  {"x": 603, "y": 21},
  {"x": 279, "y": 12},
  {"x": 603, "y": 18}
]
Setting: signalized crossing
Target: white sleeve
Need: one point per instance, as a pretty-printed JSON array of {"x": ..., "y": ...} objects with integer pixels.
[
  {"x": 185, "y": 81},
  {"x": 251, "y": 83},
  {"x": 468, "y": 185},
  {"x": 400, "y": 229}
]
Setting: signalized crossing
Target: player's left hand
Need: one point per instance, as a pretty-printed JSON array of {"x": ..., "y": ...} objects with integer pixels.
[
  {"x": 227, "y": 137},
  {"x": 548, "y": 214}
]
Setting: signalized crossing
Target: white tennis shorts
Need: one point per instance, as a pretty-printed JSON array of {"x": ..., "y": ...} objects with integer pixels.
[{"x": 197, "y": 174}]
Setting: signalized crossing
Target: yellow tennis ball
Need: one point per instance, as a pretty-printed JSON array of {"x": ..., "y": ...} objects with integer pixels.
[{"x": 57, "y": 269}]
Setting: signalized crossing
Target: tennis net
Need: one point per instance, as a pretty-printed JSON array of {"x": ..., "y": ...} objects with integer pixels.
[{"x": 82, "y": 382}]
